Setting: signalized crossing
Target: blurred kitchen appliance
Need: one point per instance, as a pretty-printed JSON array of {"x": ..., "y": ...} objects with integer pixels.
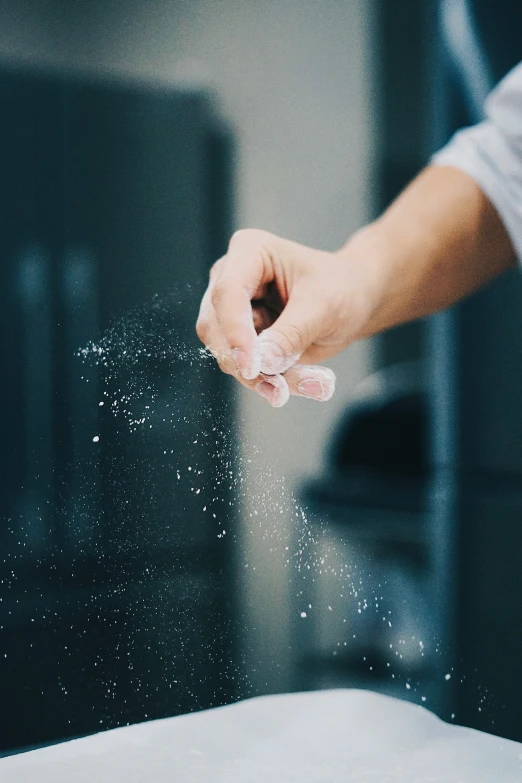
[
  {"x": 455, "y": 546},
  {"x": 113, "y": 582}
]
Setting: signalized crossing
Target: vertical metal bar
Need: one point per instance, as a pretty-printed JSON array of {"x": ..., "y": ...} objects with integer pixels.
[
  {"x": 457, "y": 50},
  {"x": 466, "y": 53},
  {"x": 442, "y": 391},
  {"x": 81, "y": 320},
  {"x": 33, "y": 285}
]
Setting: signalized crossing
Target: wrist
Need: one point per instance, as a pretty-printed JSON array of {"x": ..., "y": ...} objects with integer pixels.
[{"x": 368, "y": 263}]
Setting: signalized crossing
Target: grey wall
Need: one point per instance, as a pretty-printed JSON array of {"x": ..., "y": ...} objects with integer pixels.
[{"x": 295, "y": 78}]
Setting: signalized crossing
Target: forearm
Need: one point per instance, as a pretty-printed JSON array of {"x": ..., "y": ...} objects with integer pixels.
[{"x": 439, "y": 241}]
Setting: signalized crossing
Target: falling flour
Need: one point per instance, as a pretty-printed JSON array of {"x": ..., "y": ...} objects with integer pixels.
[{"x": 128, "y": 356}]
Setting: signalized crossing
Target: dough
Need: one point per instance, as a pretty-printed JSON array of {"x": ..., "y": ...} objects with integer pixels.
[{"x": 342, "y": 736}]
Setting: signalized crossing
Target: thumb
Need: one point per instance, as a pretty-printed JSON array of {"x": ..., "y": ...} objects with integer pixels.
[{"x": 297, "y": 328}]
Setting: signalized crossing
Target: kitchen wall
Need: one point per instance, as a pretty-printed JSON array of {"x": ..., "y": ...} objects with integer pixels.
[{"x": 296, "y": 80}]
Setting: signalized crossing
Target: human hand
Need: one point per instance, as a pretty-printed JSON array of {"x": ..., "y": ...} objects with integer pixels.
[{"x": 274, "y": 309}]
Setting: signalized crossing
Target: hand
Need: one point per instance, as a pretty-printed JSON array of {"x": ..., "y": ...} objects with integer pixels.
[{"x": 274, "y": 309}]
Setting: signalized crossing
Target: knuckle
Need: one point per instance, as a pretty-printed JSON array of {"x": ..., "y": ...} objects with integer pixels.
[
  {"x": 224, "y": 368},
  {"x": 293, "y": 339},
  {"x": 225, "y": 363},
  {"x": 218, "y": 292},
  {"x": 239, "y": 236},
  {"x": 216, "y": 268},
  {"x": 202, "y": 329},
  {"x": 248, "y": 235}
]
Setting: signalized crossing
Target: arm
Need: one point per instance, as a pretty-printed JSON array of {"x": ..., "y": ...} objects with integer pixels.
[
  {"x": 274, "y": 309},
  {"x": 439, "y": 241},
  {"x": 469, "y": 228}
]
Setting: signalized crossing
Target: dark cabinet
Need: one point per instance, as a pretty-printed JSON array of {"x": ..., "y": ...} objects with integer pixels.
[{"x": 114, "y": 201}]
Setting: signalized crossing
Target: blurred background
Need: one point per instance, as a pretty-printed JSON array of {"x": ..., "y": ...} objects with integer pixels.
[{"x": 169, "y": 542}]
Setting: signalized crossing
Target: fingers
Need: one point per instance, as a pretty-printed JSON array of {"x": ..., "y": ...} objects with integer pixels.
[
  {"x": 237, "y": 284},
  {"x": 311, "y": 381},
  {"x": 296, "y": 329},
  {"x": 225, "y": 323},
  {"x": 210, "y": 334},
  {"x": 237, "y": 307},
  {"x": 273, "y": 388},
  {"x": 233, "y": 311},
  {"x": 243, "y": 278}
]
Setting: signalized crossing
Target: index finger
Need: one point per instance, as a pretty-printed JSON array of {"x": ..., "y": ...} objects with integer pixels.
[{"x": 242, "y": 277}]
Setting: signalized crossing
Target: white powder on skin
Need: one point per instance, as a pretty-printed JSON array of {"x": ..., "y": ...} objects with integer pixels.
[{"x": 273, "y": 359}]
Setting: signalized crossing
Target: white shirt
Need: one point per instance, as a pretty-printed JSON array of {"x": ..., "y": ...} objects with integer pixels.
[{"x": 491, "y": 153}]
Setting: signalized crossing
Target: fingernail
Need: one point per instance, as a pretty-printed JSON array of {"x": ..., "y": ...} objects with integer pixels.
[
  {"x": 273, "y": 359},
  {"x": 276, "y": 395},
  {"x": 248, "y": 364},
  {"x": 315, "y": 389},
  {"x": 267, "y": 391}
]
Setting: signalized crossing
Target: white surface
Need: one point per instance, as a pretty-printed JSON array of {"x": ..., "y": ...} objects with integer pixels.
[{"x": 343, "y": 736}]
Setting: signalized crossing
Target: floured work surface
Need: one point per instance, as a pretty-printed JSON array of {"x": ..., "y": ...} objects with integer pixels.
[{"x": 343, "y": 736}]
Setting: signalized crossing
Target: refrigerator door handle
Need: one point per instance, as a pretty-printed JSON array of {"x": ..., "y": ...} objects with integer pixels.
[
  {"x": 80, "y": 307},
  {"x": 34, "y": 290}
]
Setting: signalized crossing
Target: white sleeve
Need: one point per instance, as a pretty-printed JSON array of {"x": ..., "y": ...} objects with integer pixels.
[{"x": 491, "y": 153}]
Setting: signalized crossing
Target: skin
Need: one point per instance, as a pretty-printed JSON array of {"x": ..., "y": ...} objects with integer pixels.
[{"x": 274, "y": 310}]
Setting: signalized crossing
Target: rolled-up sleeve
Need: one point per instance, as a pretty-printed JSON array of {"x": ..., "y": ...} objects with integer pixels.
[{"x": 491, "y": 153}]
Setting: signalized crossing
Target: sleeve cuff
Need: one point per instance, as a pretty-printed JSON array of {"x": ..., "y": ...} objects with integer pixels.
[{"x": 485, "y": 154}]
